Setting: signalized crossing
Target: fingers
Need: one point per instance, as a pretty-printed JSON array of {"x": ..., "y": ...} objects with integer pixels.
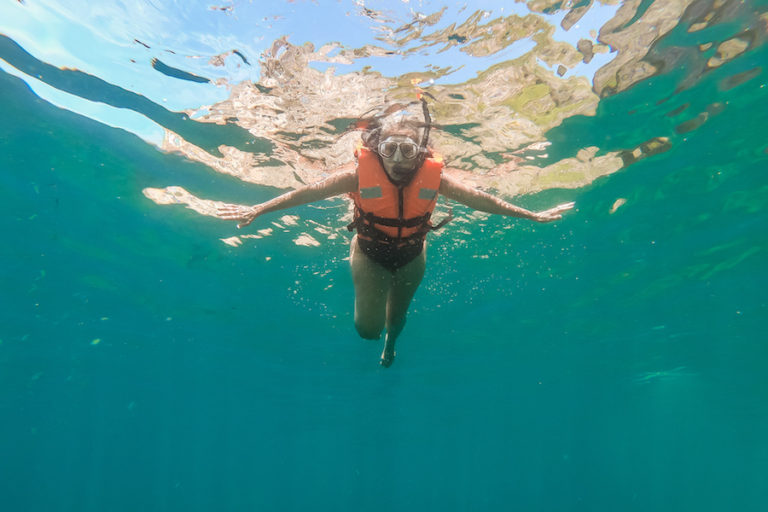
[
  {"x": 559, "y": 209},
  {"x": 245, "y": 214},
  {"x": 233, "y": 212},
  {"x": 227, "y": 211},
  {"x": 244, "y": 223},
  {"x": 554, "y": 213}
]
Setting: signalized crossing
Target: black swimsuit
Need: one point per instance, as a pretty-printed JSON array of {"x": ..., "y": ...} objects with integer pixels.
[{"x": 390, "y": 256}]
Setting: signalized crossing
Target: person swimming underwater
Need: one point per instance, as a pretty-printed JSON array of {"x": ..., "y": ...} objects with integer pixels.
[{"x": 394, "y": 185}]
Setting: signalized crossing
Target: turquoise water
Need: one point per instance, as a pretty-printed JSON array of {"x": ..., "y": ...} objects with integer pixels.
[{"x": 610, "y": 361}]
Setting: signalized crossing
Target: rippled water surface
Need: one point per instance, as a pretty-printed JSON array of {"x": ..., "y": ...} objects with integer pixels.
[{"x": 154, "y": 357}]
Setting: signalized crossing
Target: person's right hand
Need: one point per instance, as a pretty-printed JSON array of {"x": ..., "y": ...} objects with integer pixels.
[
  {"x": 555, "y": 213},
  {"x": 245, "y": 214}
]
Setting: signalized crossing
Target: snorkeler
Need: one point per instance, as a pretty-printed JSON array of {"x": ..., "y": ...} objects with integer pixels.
[{"x": 394, "y": 186}]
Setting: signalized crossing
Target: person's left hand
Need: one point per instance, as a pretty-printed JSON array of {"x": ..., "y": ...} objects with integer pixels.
[
  {"x": 245, "y": 214},
  {"x": 555, "y": 213}
]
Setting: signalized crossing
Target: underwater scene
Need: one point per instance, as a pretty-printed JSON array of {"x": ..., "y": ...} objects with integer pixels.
[{"x": 610, "y": 357}]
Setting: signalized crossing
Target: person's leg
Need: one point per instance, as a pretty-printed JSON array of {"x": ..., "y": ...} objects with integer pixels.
[
  {"x": 372, "y": 283},
  {"x": 404, "y": 284}
]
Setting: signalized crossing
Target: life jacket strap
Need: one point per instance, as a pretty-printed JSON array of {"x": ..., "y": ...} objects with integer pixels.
[
  {"x": 365, "y": 224},
  {"x": 397, "y": 223},
  {"x": 363, "y": 217},
  {"x": 448, "y": 218}
]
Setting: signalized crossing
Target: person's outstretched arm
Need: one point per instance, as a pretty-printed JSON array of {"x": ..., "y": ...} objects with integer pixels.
[
  {"x": 479, "y": 200},
  {"x": 337, "y": 183}
]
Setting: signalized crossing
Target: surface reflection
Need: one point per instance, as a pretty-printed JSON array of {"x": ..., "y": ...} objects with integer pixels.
[{"x": 499, "y": 81}]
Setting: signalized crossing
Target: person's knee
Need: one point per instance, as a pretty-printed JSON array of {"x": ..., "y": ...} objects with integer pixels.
[{"x": 368, "y": 331}]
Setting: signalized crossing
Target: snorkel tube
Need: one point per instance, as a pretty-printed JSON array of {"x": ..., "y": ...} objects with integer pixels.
[{"x": 425, "y": 136}]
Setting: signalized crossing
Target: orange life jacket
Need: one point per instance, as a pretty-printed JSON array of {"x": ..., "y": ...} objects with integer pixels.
[{"x": 389, "y": 213}]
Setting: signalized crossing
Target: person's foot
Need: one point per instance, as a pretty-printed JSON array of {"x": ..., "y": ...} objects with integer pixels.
[{"x": 387, "y": 357}]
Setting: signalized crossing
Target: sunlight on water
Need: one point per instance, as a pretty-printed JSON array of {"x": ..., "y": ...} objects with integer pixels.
[
  {"x": 492, "y": 121},
  {"x": 303, "y": 91}
]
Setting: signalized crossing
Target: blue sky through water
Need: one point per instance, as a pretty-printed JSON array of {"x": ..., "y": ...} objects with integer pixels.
[{"x": 99, "y": 39}]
